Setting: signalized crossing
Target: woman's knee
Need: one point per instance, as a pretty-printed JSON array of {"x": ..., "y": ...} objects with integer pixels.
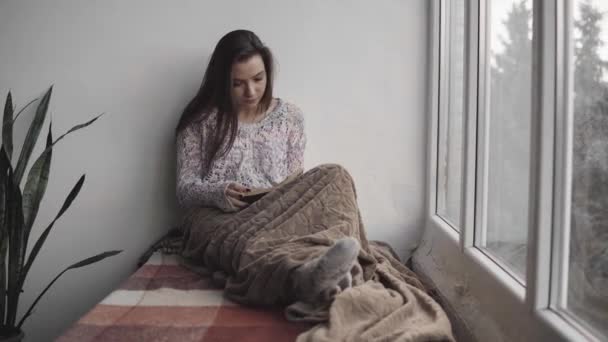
[{"x": 333, "y": 169}]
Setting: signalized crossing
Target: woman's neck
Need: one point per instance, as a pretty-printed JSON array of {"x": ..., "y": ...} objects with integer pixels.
[
  {"x": 248, "y": 114},
  {"x": 254, "y": 114}
]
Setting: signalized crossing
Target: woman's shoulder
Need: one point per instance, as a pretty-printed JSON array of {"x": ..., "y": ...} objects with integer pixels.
[
  {"x": 199, "y": 124},
  {"x": 205, "y": 118},
  {"x": 291, "y": 112}
]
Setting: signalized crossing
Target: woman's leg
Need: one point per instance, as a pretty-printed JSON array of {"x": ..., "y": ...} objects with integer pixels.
[{"x": 287, "y": 246}]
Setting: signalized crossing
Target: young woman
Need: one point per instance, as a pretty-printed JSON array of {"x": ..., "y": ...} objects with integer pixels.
[
  {"x": 234, "y": 136},
  {"x": 302, "y": 243},
  {"x": 234, "y": 132}
]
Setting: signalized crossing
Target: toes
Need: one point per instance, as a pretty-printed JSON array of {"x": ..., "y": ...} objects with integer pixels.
[
  {"x": 330, "y": 293},
  {"x": 324, "y": 277},
  {"x": 346, "y": 282}
]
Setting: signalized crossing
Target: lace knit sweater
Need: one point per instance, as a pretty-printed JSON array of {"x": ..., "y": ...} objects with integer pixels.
[{"x": 264, "y": 154}]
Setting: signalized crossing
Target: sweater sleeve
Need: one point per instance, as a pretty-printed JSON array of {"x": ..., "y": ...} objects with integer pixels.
[
  {"x": 192, "y": 189},
  {"x": 296, "y": 142}
]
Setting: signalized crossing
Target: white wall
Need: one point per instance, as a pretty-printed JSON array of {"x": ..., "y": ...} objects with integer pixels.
[{"x": 356, "y": 68}]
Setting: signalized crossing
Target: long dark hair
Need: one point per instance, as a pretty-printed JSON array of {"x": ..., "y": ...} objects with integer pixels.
[{"x": 214, "y": 93}]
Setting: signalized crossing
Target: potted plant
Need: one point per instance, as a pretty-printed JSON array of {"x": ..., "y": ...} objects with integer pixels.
[{"x": 18, "y": 209}]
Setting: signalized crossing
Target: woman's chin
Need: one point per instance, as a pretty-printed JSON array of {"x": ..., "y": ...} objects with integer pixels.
[{"x": 249, "y": 105}]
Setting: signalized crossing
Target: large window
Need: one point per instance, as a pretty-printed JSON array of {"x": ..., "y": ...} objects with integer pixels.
[
  {"x": 520, "y": 162},
  {"x": 587, "y": 286},
  {"x": 451, "y": 126},
  {"x": 507, "y": 79}
]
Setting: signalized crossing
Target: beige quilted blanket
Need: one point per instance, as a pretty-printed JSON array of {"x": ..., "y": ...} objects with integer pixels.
[{"x": 259, "y": 247}]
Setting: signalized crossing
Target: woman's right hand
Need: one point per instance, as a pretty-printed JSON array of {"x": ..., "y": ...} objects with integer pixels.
[{"x": 234, "y": 193}]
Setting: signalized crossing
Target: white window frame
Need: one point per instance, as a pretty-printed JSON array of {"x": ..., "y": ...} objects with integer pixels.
[{"x": 527, "y": 313}]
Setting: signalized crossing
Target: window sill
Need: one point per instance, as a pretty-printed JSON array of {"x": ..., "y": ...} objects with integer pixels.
[
  {"x": 485, "y": 296},
  {"x": 475, "y": 256}
]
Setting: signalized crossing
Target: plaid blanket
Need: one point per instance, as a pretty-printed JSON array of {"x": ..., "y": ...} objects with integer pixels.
[{"x": 165, "y": 301}]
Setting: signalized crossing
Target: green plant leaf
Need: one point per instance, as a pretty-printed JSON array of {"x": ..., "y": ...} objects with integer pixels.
[
  {"x": 75, "y": 128},
  {"x": 71, "y": 196},
  {"x": 24, "y": 108},
  {"x": 3, "y": 250},
  {"x": 4, "y": 164},
  {"x": 19, "y": 113},
  {"x": 35, "y": 187},
  {"x": 38, "y": 245},
  {"x": 82, "y": 263},
  {"x": 15, "y": 234},
  {"x": 32, "y": 135},
  {"x": 93, "y": 259},
  {"x": 7, "y": 125}
]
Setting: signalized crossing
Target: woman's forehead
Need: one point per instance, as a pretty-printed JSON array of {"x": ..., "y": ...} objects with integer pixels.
[{"x": 248, "y": 68}]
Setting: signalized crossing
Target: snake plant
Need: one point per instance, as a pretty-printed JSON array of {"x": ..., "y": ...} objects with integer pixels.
[{"x": 19, "y": 208}]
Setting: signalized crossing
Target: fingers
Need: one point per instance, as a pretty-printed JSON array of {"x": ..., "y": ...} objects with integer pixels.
[
  {"x": 238, "y": 187},
  {"x": 236, "y": 203},
  {"x": 233, "y": 193}
]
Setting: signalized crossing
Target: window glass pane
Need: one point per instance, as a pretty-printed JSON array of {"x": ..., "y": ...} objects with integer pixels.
[
  {"x": 451, "y": 127},
  {"x": 509, "y": 89},
  {"x": 587, "y": 295}
]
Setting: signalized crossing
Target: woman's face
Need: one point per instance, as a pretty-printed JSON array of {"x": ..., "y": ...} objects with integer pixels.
[{"x": 248, "y": 82}]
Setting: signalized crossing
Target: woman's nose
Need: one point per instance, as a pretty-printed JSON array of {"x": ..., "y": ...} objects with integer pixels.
[{"x": 249, "y": 91}]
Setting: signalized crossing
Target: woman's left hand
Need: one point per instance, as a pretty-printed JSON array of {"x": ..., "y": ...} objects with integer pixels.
[{"x": 235, "y": 192}]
